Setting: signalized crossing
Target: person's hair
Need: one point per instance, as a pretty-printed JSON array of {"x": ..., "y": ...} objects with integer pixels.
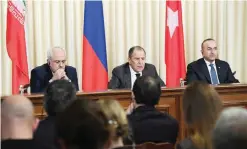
[
  {"x": 50, "y": 51},
  {"x": 208, "y": 39},
  {"x": 83, "y": 125},
  {"x": 116, "y": 116},
  {"x": 201, "y": 107},
  {"x": 132, "y": 49},
  {"x": 147, "y": 90},
  {"x": 231, "y": 129},
  {"x": 58, "y": 95}
]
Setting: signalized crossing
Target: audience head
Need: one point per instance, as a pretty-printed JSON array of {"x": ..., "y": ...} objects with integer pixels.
[
  {"x": 117, "y": 120},
  {"x": 56, "y": 58},
  {"x": 147, "y": 91},
  {"x": 137, "y": 58},
  {"x": 201, "y": 107},
  {"x": 209, "y": 49},
  {"x": 17, "y": 118},
  {"x": 82, "y": 125},
  {"x": 58, "y": 95},
  {"x": 231, "y": 129}
]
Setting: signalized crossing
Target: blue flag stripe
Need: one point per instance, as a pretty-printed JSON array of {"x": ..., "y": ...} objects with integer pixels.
[{"x": 94, "y": 29}]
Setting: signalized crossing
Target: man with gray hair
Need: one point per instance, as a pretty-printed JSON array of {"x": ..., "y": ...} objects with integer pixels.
[
  {"x": 54, "y": 69},
  {"x": 231, "y": 129},
  {"x": 18, "y": 122}
]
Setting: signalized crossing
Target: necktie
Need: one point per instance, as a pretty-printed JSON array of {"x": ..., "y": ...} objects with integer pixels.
[
  {"x": 213, "y": 75},
  {"x": 138, "y": 75}
]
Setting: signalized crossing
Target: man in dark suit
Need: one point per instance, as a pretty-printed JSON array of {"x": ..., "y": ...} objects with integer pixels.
[
  {"x": 124, "y": 76},
  {"x": 58, "y": 95},
  {"x": 55, "y": 69},
  {"x": 146, "y": 122},
  {"x": 208, "y": 68}
]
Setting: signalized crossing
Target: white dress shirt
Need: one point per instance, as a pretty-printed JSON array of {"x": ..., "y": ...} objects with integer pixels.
[
  {"x": 133, "y": 76},
  {"x": 209, "y": 69}
]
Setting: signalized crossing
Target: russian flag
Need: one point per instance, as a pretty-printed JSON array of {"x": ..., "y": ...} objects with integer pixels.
[{"x": 94, "y": 67}]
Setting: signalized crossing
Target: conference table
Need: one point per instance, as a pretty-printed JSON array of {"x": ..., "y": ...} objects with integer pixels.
[{"x": 170, "y": 100}]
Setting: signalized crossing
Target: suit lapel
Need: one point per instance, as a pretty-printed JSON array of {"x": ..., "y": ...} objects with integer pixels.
[
  {"x": 204, "y": 69},
  {"x": 218, "y": 70},
  {"x": 48, "y": 74},
  {"x": 127, "y": 76}
]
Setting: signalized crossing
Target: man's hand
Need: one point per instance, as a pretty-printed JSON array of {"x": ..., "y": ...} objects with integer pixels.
[
  {"x": 66, "y": 77},
  {"x": 59, "y": 74}
]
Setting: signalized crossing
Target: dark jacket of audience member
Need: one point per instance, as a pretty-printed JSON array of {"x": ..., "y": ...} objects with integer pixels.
[
  {"x": 147, "y": 123},
  {"x": 58, "y": 95},
  {"x": 201, "y": 107}
]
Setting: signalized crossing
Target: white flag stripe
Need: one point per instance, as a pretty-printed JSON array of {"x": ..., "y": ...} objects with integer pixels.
[{"x": 19, "y": 4}]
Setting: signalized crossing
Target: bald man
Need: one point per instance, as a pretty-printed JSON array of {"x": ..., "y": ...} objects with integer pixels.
[{"x": 18, "y": 122}]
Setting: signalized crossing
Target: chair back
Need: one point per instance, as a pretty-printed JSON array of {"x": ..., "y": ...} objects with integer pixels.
[{"x": 150, "y": 145}]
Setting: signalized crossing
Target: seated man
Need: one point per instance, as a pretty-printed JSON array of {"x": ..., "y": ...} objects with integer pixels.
[
  {"x": 17, "y": 123},
  {"x": 209, "y": 69},
  {"x": 230, "y": 131},
  {"x": 147, "y": 123},
  {"x": 54, "y": 69},
  {"x": 125, "y": 75},
  {"x": 58, "y": 95}
]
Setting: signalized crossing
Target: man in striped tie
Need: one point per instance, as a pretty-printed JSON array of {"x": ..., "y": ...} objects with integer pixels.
[{"x": 209, "y": 68}]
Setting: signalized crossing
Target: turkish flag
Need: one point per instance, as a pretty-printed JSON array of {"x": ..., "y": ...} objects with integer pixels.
[{"x": 174, "y": 44}]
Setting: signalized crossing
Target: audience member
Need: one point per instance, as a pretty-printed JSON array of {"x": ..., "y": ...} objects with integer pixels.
[
  {"x": 231, "y": 129},
  {"x": 17, "y": 123},
  {"x": 201, "y": 107},
  {"x": 147, "y": 123},
  {"x": 117, "y": 120},
  {"x": 58, "y": 95},
  {"x": 83, "y": 125}
]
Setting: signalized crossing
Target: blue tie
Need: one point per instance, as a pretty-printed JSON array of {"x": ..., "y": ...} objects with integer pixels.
[{"x": 213, "y": 74}]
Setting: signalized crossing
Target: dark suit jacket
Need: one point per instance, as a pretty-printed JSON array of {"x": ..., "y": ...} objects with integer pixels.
[
  {"x": 150, "y": 125},
  {"x": 18, "y": 144},
  {"x": 41, "y": 75},
  {"x": 121, "y": 77},
  {"x": 45, "y": 134},
  {"x": 198, "y": 70},
  {"x": 186, "y": 144}
]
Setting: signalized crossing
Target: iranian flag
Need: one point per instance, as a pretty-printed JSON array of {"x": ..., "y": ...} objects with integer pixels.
[{"x": 16, "y": 45}]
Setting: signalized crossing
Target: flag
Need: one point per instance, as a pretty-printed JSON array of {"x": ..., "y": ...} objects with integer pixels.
[
  {"x": 174, "y": 44},
  {"x": 16, "y": 44},
  {"x": 94, "y": 74}
]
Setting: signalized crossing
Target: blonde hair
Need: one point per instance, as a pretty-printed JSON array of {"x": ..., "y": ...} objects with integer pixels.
[
  {"x": 116, "y": 117},
  {"x": 201, "y": 108}
]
